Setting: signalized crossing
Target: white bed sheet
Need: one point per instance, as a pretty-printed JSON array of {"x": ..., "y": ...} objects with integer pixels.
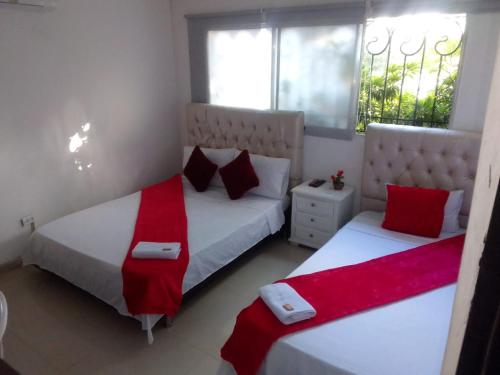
[
  {"x": 87, "y": 248},
  {"x": 406, "y": 337}
]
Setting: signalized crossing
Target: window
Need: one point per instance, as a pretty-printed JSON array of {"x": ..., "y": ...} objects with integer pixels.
[
  {"x": 316, "y": 73},
  {"x": 239, "y": 63},
  {"x": 409, "y": 69},
  {"x": 312, "y": 59},
  {"x": 283, "y": 59}
]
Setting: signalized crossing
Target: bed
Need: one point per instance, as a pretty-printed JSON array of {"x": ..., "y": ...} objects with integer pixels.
[
  {"x": 406, "y": 337},
  {"x": 87, "y": 248}
]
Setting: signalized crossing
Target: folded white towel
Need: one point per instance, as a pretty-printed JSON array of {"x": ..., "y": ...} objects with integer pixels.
[
  {"x": 156, "y": 250},
  {"x": 288, "y": 306}
]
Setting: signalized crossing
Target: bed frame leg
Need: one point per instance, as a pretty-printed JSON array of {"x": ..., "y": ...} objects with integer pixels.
[
  {"x": 148, "y": 327},
  {"x": 150, "y": 336},
  {"x": 169, "y": 322}
]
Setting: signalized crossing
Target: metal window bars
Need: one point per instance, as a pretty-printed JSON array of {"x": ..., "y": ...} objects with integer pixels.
[{"x": 409, "y": 75}]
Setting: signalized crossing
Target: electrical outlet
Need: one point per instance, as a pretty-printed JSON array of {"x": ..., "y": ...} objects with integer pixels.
[{"x": 27, "y": 220}]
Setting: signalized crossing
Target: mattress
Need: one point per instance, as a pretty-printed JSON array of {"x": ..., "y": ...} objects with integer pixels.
[
  {"x": 87, "y": 248},
  {"x": 407, "y": 337}
]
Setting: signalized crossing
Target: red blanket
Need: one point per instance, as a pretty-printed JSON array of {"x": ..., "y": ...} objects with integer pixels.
[
  {"x": 343, "y": 291},
  {"x": 154, "y": 286}
]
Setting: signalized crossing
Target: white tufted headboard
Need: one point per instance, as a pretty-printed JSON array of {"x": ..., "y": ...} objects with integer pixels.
[
  {"x": 270, "y": 133},
  {"x": 415, "y": 156}
]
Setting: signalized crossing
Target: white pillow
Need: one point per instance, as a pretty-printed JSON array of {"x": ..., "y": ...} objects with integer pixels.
[
  {"x": 273, "y": 174},
  {"x": 219, "y": 156},
  {"x": 452, "y": 210}
]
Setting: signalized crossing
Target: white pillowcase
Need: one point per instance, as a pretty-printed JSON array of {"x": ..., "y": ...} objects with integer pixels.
[
  {"x": 273, "y": 174},
  {"x": 452, "y": 209},
  {"x": 219, "y": 156}
]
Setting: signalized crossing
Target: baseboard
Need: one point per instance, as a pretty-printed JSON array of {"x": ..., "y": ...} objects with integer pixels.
[{"x": 9, "y": 266}]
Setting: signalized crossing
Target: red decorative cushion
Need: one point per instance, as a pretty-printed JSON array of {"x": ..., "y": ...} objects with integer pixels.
[
  {"x": 199, "y": 170},
  {"x": 415, "y": 210},
  {"x": 239, "y": 176}
]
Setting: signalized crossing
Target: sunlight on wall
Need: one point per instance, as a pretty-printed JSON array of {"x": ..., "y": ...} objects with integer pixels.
[{"x": 76, "y": 143}]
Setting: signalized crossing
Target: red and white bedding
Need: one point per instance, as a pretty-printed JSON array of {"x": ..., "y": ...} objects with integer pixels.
[
  {"x": 88, "y": 248},
  {"x": 404, "y": 337}
]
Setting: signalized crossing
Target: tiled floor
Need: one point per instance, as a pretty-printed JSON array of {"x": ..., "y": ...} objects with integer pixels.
[{"x": 55, "y": 328}]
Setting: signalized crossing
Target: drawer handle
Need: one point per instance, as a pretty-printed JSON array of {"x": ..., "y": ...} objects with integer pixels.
[
  {"x": 313, "y": 205},
  {"x": 311, "y": 235},
  {"x": 312, "y": 220}
]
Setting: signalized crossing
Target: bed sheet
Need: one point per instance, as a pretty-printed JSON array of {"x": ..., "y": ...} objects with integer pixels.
[
  {"x": 87, "y": 248},
  {"x": 407, "y": 337}
]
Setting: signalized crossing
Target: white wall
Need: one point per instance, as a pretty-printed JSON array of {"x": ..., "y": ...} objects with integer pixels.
[
  {"x": 477, "y": 70},
  {"x": 323, "y": 156},
  {"x": 482, "y": 205},
  {"x": 105, "y": 62}
]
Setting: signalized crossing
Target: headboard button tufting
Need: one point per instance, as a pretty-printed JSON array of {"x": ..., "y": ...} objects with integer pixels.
[
  {"x": 420, "y": 157},
  {"x": 278, "y": 134}
]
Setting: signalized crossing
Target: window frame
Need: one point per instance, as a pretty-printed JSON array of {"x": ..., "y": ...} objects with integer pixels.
[
  {"x": 276, "y": 19},
  {"x": 333, "y": 14}
]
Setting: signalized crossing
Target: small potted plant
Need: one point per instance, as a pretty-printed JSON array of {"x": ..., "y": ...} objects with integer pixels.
[{"x": 338, "y": 180}]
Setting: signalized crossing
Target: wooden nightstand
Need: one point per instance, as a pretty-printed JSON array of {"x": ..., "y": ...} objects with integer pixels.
[{"x": 318, "y": 213}]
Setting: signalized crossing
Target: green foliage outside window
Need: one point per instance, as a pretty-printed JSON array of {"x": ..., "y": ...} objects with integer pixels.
[{"x": 381, "y": 87}]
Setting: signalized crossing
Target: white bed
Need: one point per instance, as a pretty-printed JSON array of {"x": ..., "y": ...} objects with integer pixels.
[
  {"x": 88, "y": 248},
  {"x": 405, "y": 337}
]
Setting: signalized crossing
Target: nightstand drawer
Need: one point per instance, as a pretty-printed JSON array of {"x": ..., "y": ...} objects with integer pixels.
[
  {"x": 309, "y": 235},
  {"x": 324, "y": 223},
  {"x": 314, "y": 207}
]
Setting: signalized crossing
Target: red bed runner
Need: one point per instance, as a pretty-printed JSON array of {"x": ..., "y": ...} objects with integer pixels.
[
  {"x": 154, "y": 286},
  {"x": 343, "y": 291}
]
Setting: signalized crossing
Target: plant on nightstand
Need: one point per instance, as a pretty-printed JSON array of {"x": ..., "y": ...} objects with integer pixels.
[{"x": 338, "y": 180}]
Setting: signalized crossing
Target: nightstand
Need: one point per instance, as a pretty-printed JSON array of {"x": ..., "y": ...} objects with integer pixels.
[{"x": 318, "y": 213}]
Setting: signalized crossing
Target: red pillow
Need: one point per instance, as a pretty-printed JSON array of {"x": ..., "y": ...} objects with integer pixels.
[
  {"x": 239, "y": 176},
  {"x": 199, "y": 170},
  {"x": 415, "y": 210}
]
